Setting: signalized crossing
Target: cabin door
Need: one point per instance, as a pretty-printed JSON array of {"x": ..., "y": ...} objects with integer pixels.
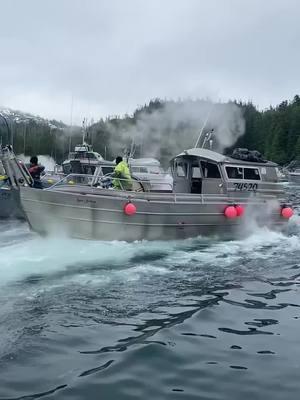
[
  {"x": 212, "y": 182},
  {"x": 182, "y": 182},
  {"x": 196, "y": 177}
]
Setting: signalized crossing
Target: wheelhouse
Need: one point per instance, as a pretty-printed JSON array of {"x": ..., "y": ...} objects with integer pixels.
[
  {"x": 85, "y": 161},
  {"x": 202, "y": 171}
]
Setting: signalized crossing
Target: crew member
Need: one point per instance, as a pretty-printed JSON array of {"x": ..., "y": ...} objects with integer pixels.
[
  {"x": 122, "y": 178},
  {"x": 35, "y": 171},
  {"x": 3, "y": 179}
]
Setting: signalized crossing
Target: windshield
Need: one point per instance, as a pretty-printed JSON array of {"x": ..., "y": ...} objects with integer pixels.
[{"x": 147, "y": 169}]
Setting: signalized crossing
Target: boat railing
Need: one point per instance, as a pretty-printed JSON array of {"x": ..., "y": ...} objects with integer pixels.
[
  {"x": 52, "y": 173},
  {"x": 110, "y": 182},
  {"x": 51, "y": 177}
]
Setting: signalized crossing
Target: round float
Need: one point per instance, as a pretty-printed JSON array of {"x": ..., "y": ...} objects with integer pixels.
[
  {"x": 230, "y": 212},
  {"x": 287, "y": 212},
  {"x": 129, "y": 209}
]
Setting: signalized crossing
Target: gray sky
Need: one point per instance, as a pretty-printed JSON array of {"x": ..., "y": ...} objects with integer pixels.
[{"x": 114, "y": 55}]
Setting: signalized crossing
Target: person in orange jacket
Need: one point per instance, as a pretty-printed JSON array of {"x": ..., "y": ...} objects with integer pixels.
[{"x": 35, "y": 170}]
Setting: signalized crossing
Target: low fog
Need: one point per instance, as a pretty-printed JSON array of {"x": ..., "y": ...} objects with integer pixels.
[{"x": 69, "y": 59}]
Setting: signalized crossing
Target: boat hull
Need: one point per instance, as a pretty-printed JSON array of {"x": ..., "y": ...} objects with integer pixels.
[
  {"x": 100, "y": 215},
  {"x": 294, "y": 178},
  {"x": 10, "y": 206}
]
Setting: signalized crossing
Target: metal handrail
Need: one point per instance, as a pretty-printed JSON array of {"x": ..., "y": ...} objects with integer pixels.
[{"x": 88, "y": 180}]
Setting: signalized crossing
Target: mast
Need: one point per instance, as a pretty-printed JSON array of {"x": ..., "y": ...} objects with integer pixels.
[
  {"x": 83, "y": 131},
  {"x": 71, "y": 123},
  {"x": 203, "y": 126},
  {"x": 24, "y": 137}
]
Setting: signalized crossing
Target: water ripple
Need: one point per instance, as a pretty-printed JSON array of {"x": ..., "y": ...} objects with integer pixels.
[{"x": 149, "y": 320}]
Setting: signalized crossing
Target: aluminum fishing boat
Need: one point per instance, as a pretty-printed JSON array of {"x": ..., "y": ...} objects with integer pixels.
[
  {"x": 294, "y": 176},
  {"x": 292, "y": 172},
  {"x": 9, "y": 199},
  {"x": 10, "y": 206},
  {"x": 83, "y": 160},
  {"x": 10, "y": 203},
  {"x": 212, "y": 194}
]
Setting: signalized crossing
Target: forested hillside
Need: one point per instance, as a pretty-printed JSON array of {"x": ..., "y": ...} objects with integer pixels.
[
  {"x": 30, "y": 134},
  {"x": 164, "y": 128},
  {"x": 275, "y": 131}
]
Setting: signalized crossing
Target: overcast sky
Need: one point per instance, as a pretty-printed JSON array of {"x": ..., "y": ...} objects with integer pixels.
[{"x": 112, "y": 55}]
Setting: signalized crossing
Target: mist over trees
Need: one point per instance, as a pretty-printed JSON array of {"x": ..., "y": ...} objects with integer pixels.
[
  {"x": 275, "y": 132},
  {"x": 163, "y": 128}
]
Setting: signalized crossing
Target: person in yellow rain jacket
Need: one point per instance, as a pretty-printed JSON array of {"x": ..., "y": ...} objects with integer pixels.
[
  {"x": 3, "y": 176},
  {"x": 3, "y": 179},
  {"x": 122, "y": 178}
]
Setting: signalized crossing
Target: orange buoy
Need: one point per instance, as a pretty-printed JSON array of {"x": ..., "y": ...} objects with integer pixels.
[
  {"x": 287, "y": 212},
  {"x": 129, "y": 209},
  {"x": 239, "y": 210},
  {"x": 230, "y": 212}
]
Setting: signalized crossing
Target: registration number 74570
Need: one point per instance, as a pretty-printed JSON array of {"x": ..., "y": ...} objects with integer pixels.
[{"x": 249, "y": 187}]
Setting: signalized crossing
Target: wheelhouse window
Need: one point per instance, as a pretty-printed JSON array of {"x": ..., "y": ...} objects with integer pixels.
[
  {"x": 91, "y": 156},
  {"x": 107, "y": 170},
  {"x": 210, "y": 170},
  {"x": 196, "y": 173},
  {"x": 88, "y": 169},
  {"x": 181, "y": 169},
  {"x": 251, "y": 174},
  {"x": 139, "y": 170},
  {"x": 234, "y": 172},
  {"x": 155, "y": 170},
  {"x": 67, "y": 169},
  {"x": 241, "y": 173},
  {"x": 80, "y": 155}
]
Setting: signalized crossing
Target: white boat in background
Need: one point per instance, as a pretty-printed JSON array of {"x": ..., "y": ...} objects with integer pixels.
[
  {"x": 294, "y": 176},
  {"x": 282, "y": 175},
  {"x": 83, "y": 160},
  {"x": 149, "y": 169},
  {"x": 292, "y": 171}
]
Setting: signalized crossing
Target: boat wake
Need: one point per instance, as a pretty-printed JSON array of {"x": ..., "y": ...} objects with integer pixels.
[
  {"x": 26, "y": 256},
  {"x": 76, "y": 305}
]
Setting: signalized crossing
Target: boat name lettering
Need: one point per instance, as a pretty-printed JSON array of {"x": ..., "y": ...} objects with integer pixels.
[
  {"x": 86, "y": 201},
  {"x": 249, "y": 187}
]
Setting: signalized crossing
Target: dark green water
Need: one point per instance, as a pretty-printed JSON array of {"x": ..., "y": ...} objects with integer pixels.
[{"x": 197, "y": 319}]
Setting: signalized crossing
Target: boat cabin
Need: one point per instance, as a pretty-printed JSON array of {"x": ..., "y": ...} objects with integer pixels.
[
  {"x": 203, "y": 171},
  {"x": 85, "y": 161},
  {"x": 145, "y": 166},
  {"x": 149, "y": 169}
]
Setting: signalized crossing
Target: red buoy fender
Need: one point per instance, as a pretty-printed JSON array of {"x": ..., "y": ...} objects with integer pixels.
[
  {"x": 239, "y": 210},
  {"x": 230, "y": 212},
  {"x": 287, "y": 212},
  {"x": 129, "y": 209}
]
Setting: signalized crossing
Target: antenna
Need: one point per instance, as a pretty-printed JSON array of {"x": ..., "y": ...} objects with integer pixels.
[
  {"x": 202, "y": 129},
  {"x": 83, "y": 130},
  {"x": 208, "y": 138},
  {"x": 71, "y": 123},
  {"x": 132, "y": 149},
  {"x": 24, "y": 138}
]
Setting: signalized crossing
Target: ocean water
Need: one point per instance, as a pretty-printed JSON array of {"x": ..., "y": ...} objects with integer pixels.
[{"x": 193, "y": 319}]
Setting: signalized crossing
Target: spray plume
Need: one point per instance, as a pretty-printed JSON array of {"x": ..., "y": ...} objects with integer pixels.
[{"x": 164, "y": 129}]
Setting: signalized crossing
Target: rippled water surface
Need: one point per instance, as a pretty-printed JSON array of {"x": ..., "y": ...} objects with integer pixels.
[{"x": 195, "y": 319}]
